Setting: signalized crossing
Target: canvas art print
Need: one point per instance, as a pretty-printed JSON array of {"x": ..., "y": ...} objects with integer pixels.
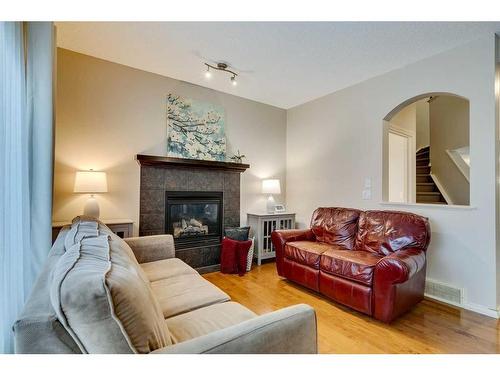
[{"x": 195, "y": 130}]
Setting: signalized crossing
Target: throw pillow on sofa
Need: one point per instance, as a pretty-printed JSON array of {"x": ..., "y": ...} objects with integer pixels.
[{"x": 237, "y": 233}]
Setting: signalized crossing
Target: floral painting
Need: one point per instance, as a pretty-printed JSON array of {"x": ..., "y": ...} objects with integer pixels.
[{"x": 195, "y": 130}]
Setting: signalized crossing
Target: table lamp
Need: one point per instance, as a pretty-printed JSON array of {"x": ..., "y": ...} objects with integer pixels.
[
  {"x": 91, "y": 182},
  {"x": 271, "y": 187}
]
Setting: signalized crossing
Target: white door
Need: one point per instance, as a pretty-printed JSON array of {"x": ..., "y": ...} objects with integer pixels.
[{"x": 398, "y": 168}]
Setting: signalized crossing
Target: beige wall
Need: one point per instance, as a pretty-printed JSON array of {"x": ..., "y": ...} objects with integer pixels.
[
  {"x": 406, "y": 118},
  {"x": 449, "y": 130},
  {"x": 334, "y": 144},
  {"x": 107, "y": 113},
  {"x": 422, "y": 124}
]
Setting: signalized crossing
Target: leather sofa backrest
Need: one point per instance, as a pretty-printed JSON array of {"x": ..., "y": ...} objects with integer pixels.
[
  {"x": 335, "y": 226},
  {"x": 385, "y": 232}
]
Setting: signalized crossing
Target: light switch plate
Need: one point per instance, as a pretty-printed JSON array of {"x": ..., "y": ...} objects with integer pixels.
[
  {"x": 368, "y": 182},
  {"x": 367, "y": 194}
]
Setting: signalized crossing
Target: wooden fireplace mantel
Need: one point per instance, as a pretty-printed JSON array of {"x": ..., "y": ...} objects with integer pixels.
[{"x": 165, "y": 162}]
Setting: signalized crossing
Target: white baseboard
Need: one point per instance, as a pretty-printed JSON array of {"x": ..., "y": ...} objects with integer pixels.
[{"x": 480, "y": 309}]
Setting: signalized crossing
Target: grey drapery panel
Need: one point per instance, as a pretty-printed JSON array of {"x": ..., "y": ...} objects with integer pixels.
[{"x": 27, "y": 53}]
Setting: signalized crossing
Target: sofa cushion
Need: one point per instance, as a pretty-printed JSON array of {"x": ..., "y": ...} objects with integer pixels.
[
  {"x": 350, "y": 264},
  {"x": 166, "y": 268},
  {"x": 306, "y": 252},
  {"x": 100, "y": 296},
  {"x": 183, "y": 293},
  {"x": 335, "y": 226},
  {"x": 384, "y": 232},
  {"x": 237, "y": 234},
  {"x": 207, "y": 319}
]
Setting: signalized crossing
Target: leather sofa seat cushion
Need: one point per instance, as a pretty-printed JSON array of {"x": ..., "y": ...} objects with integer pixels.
[
  {"x": 206, "y": 320},
  {"x": 354, "y": 265},
  {"x": 335, "y": 226},
  {"x": 306, "y": 252},
  {"x": 384, "y": 232},
  {"x": 183, "y": 293},
  {"x": 166, "y": 268},
  {"x": 101, "y": 297}
]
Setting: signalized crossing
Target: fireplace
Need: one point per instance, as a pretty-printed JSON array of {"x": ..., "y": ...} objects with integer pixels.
[
  {"x": 194, "y": 218},
  {"x": 173, "y": 190}
]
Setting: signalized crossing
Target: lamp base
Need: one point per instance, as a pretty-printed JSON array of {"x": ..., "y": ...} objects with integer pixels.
[
  {"x": 91, "y": 207},
  {"x": 270, "y": 204}
]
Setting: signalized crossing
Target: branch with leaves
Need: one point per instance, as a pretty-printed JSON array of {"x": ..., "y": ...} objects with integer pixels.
[{"x": 191, "y": 134}]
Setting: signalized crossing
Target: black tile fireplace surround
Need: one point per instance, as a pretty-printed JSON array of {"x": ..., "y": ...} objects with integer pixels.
[{"x": 166, "y": 186}]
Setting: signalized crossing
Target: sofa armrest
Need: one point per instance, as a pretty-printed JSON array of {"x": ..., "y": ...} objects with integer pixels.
[
  {"x": 281, "y": 237},
  {"x": 398, "y": 283},
  {"x": 291, "y": 330},
  {"x": 400, "y": 266},
  {"x": 150, "y": 248}
]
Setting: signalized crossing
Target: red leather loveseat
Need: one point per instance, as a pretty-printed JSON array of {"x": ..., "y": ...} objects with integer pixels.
[{"x": 371, "y": 261}]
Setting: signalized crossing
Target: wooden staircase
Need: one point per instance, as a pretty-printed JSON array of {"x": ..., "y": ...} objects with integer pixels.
[{"x": 427, "y": 191}]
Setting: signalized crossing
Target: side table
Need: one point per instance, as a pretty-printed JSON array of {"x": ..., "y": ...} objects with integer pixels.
[{"x": 262, "y": 225}]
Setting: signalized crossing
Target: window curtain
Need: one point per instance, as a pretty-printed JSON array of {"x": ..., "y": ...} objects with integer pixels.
[{"x": 27, "y": 51}]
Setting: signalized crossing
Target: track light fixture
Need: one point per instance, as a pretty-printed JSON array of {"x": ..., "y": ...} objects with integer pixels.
[
  {"x": 223, "y": 67},
  {"x": 208, "y": 74}
]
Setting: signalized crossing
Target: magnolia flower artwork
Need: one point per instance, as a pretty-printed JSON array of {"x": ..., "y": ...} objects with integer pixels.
[{"x": 195, "y": 130}]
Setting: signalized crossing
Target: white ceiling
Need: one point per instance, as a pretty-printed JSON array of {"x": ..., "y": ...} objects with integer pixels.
[{"x": 279, "y": 63}]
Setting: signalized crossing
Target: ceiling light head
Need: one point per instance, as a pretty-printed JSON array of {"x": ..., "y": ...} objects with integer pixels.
[{"x": 223, "y": 67}]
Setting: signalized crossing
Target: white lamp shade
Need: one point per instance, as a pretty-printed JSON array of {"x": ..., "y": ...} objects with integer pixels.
[
  {"x": 90, "y": 182},
  {"x": 271, "y": 186}
]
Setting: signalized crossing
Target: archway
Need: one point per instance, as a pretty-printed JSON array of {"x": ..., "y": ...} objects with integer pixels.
[{"x": 426, "y": 150}]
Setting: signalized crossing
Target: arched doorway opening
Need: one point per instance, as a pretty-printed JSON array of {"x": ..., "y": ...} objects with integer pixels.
[{"x": 426, "y": 151}]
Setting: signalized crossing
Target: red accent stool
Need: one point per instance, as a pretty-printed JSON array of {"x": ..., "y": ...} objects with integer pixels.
[{"x": 372, "y": 261}]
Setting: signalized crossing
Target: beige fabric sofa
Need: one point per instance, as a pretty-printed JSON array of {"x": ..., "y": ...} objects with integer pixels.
[{"x": 100, "y": 294}]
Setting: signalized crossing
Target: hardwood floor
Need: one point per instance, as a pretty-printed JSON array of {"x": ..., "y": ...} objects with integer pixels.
[{"x": 431, "y": 327}]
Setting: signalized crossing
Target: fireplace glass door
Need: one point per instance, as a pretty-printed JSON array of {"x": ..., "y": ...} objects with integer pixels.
[{"x": 193, "y": 217}]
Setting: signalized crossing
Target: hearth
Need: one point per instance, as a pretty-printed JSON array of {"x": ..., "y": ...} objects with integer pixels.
[{"x": 194, "y": 218}]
